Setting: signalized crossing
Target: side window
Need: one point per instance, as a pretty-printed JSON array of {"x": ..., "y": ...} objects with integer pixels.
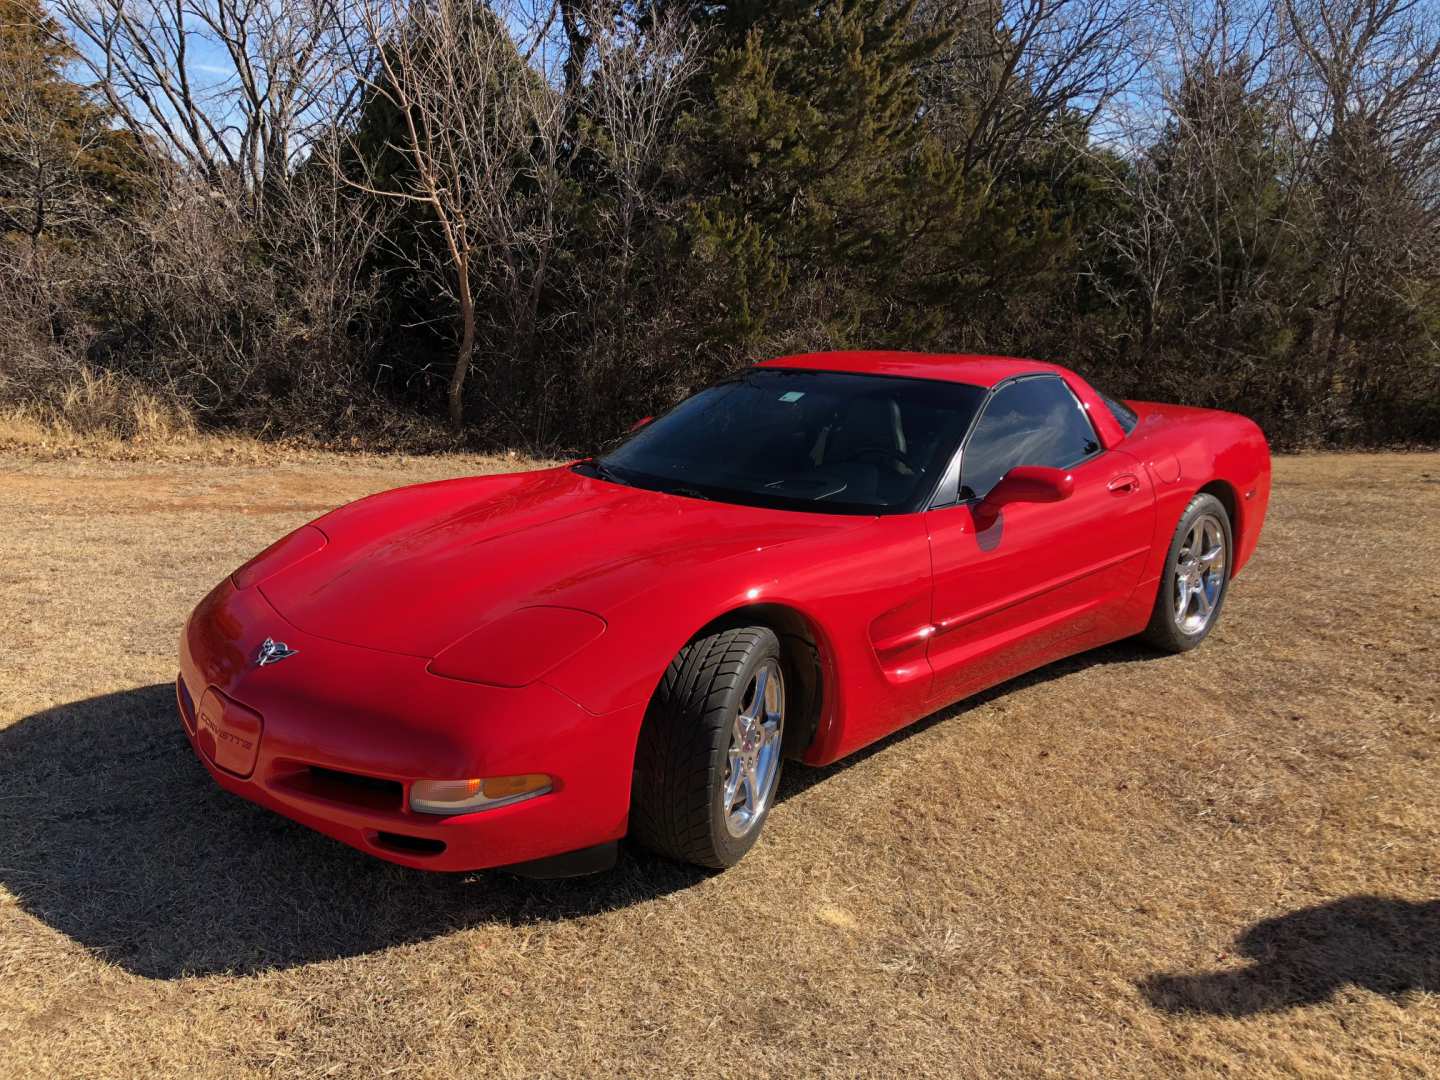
[{"x": 1034, "y": 421}]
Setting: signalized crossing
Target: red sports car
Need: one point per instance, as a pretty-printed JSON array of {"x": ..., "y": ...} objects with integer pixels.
[{"x": 521, "y": 669}]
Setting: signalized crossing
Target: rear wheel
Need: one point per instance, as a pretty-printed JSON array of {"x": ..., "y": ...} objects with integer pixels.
[
  {"x": 1195, "y": 579},
  {"x": 708, "y": 761}
]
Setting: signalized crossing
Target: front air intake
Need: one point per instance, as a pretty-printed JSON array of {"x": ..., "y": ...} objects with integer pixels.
[{"x": 345, "y": 788}]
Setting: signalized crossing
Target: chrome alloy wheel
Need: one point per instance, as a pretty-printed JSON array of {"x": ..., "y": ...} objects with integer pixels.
[
  {"x": 754, "y": 754},
  {"x": 1199, "y": 574}
]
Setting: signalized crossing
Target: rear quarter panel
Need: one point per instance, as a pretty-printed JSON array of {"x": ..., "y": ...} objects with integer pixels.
[{"x": 1187, "y": 449}]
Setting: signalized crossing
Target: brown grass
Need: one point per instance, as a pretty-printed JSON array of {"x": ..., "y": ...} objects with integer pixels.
[
  {"x": 98, "y": 407},
  {"x": 1125, "y": 864},
  {"x": 101, "y": 414}
]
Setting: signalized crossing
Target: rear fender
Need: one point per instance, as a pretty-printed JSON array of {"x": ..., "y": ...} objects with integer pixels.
[{"x": 1187, "y": 451}]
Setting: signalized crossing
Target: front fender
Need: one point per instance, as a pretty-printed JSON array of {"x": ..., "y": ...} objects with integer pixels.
[
  {"x": 623, "y": 667},
  {"x": 852, "y": 591}
]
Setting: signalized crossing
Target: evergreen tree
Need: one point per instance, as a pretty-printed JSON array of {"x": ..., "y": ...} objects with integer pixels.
[
  {"x": 825, "y": 211},
  {"x": 808, "y": 158}
]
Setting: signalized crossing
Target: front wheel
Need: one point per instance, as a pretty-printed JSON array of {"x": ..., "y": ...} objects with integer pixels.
[
  {"x": 708, "y": 761},
  {"x": 1196, "y": 576}
]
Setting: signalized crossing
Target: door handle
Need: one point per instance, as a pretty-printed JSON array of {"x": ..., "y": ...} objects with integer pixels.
[{"x": 1124, "y": 484}]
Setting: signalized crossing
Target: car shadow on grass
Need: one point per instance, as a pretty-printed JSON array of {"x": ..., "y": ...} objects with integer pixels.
[
  {"x": 1381, "y": 944},
  {"x": 798, "y": 778},
  {"x": 113, "y": 833}
]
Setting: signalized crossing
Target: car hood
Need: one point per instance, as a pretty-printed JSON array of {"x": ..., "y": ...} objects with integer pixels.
[{"x": 413, "y": 570}]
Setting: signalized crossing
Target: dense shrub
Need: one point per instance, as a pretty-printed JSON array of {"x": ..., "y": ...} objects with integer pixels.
[{"x": 603, "y": 210}]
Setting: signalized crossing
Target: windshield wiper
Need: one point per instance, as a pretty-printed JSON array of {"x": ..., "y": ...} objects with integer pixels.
[
  {"x": 687, "y": 492},
  {"x": 597, "y": 468},
  {"x": 604, "y": 472}
]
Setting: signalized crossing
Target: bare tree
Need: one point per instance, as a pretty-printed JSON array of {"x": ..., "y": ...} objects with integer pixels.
[
  {"x": 235, "y": 89},
  {"x": 635, "y": 81},
  {"x": 1209, "y": 175},
  {"x": 1014, "y": 70}
]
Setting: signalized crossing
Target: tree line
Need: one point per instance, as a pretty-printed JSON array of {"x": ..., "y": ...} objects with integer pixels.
[{"x": 526, "y": 223}]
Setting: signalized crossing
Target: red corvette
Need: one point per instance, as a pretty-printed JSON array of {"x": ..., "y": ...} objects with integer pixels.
[{"x": 521, "y": 669}]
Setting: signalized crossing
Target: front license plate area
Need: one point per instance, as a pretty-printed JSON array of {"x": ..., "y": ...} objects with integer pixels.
[{"x": 228, "y": 733}]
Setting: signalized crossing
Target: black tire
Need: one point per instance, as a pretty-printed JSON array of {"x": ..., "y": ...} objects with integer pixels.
[
  {"x": 1164, "y": 632},
  {"x": 681, "y": 758}
]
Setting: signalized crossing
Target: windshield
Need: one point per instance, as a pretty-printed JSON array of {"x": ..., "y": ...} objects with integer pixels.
[{"x": 806, "y": 440}]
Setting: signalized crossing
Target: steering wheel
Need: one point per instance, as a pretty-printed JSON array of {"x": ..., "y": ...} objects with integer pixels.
[{"x": 888, "y": 455}]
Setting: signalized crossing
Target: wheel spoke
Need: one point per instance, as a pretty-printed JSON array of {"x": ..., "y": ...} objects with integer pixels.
[
  {"x": 1202, "y": 602},
  {"x": 732, "y": 783},
  {"x": 1196, "y": 540},
  {"x": 757, "y": 703},
  {"x": 1213, "y": 558},
  {"x": 752, "y": 783}
]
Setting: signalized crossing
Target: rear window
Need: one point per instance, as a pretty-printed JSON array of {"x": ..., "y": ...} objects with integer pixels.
[{"x": 1124, "y": 415}]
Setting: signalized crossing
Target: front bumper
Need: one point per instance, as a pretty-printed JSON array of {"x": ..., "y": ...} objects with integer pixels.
[{"x": 334, "y": 736}]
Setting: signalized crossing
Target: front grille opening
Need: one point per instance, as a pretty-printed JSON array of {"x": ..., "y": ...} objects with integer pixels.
[
  {"x": 352, "y": 789},
  {"x": 409, "y": 845}
]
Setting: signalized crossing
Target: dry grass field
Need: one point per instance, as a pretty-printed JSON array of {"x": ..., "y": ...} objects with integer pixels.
[{"x": 1124, "y": 864}]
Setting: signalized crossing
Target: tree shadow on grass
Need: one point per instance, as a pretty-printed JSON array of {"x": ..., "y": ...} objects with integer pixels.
[
  {"x": 1383, "y": 945},
  {"x": 113, "y": 833}
]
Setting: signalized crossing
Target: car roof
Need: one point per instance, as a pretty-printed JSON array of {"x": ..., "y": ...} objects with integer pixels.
[{"x": 977, "y": 370}]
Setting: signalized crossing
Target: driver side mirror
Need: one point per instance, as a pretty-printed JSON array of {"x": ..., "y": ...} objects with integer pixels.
[{"x": 1030, "y": 483}]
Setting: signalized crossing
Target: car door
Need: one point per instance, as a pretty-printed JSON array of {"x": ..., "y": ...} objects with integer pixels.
[{"x": 1016, "y": 587}]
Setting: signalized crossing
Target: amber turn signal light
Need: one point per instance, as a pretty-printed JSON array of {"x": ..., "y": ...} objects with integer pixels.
[{"x": 468, "y": 796}]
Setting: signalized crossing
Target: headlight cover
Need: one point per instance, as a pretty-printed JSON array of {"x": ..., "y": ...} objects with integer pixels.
[
  {"x": 518, "y": 648},
  {"x": 288, "y": 550}
]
